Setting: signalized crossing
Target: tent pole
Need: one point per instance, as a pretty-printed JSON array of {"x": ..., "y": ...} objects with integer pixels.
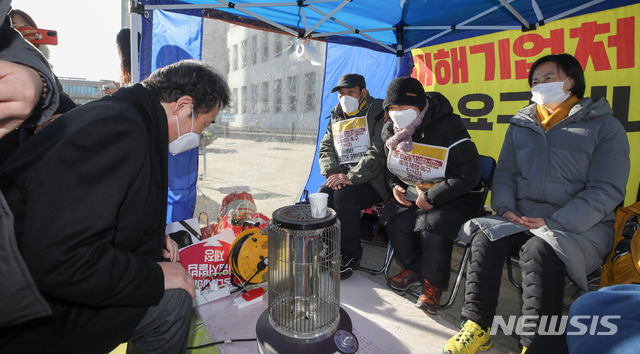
[{"x": 136, "y": 24}]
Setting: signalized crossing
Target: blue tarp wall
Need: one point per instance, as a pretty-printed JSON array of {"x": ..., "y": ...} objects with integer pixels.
[
  {"x": 175, "y": 37},
  {"x": 344, "y": 59}
]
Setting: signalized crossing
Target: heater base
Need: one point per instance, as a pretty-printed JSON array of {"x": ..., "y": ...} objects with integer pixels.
[{"x": 342, "y": 341}]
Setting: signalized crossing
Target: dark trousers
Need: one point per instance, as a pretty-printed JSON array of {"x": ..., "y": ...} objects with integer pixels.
[
  {"x": 543, "y": 279},
  {"x": 424, "y": 252},
  {"x": 348, "y": 202},
  {"x": 165, "y": 327}
]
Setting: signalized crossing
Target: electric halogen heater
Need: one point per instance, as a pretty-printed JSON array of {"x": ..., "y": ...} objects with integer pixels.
[{"x": 304, "y": 313}]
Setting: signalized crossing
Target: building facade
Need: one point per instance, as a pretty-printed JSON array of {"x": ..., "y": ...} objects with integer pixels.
[
  {"x": 82, "y": 91},
  {"x": 272, "y": 89}
]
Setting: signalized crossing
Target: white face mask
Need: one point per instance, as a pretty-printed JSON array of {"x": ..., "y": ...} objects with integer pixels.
[
  {"x": 186, "y": 141},
  {"x": 549, "y": 95},
  {"x": 401, "y": 119},
  {"x": 349, "y": 104}
]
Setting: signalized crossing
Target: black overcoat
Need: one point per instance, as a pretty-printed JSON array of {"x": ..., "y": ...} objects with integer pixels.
[{"x": 89, "y": 196}]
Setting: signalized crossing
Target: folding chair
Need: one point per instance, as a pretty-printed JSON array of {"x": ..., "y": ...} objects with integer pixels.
[
  {"x": 488, "y": 164},
  {"x": 377, "y": 210}
]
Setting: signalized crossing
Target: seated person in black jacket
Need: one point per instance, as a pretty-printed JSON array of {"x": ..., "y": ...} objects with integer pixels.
[{"x": 432, "y": 166}]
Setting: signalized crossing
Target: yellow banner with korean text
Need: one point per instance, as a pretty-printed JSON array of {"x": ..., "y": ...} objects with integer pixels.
[{"x": 485, "y": 77}]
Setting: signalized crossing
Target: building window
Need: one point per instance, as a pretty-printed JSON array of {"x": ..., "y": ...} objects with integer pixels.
[
  {"x": 265, "y": 98},
  {"x": 234, "y": 58},
  {"x": 277, "y": 96},
  {"x": 292, "y": 93},
  {"x": 243, "y": 54},
  {"x": 234, "y": 101},
  {"x": 265, "y": 47},
  {"x": 278, "y": 45},
  {"x": 254, "y": 50},
  {"x": 254, "y": 98},
  {"x": 243, "y": 97},
  {"x": 310, "y": 93}
]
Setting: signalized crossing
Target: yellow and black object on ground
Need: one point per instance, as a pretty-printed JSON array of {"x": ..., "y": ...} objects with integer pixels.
[{"x": 248, "y": 256}]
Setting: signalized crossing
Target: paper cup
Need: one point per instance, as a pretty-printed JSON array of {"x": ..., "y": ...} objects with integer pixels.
[{"x": 318, "y": 203}]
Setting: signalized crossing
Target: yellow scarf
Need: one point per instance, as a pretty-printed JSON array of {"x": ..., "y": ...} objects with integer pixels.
[{"x": 548, "y": 120}]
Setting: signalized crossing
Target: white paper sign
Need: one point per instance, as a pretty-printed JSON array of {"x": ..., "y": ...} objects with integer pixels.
[
  {"x": 422, "y": 166},
  {"x": 351, "y": 139}
]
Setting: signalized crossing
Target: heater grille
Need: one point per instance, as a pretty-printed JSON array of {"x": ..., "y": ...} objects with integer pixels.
[{"x": 304, "y": 274}]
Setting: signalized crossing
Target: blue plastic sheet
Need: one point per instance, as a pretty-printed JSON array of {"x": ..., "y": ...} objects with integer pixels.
[
  {"x": 176, "y": 37},
  {"x": 378, "y": 69}
]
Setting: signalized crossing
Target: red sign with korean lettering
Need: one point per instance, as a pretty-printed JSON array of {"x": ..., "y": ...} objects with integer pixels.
[{"x": 206, "y": 260}]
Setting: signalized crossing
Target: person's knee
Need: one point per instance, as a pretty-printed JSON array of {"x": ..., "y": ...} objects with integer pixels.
[
  {"x": 480, "y": 240},
  {"x": 537, "y": 250},
  {"x": 324, "y": 189},
  {"x": 399, "y": 227},
  {"x": 344, "y": 200},
  {"x": 179, "y": 301}
]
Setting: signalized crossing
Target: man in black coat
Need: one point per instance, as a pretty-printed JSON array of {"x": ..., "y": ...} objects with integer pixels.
[{"x": 88, "y": 193}]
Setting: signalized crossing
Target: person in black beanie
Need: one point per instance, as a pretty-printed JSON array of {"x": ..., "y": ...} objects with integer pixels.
[
  {"x": 432, "y": 169},
  {"x": 351, "y": 159}
]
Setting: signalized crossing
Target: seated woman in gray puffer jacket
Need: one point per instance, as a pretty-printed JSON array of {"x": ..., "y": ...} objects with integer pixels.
[{"x": 562, "y": 171}]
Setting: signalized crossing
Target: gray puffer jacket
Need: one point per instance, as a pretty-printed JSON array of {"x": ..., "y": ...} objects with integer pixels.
[{"x": 573, "y": 175}]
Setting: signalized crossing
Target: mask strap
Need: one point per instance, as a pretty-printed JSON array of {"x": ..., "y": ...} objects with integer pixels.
[{"x": 177, "y": 125}]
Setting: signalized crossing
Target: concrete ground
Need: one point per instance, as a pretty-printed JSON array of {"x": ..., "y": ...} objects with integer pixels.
[{"x": 275, "y": 171}]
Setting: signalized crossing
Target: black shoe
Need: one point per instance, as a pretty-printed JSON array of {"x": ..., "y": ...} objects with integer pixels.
[{"x": 347, "y": 266}]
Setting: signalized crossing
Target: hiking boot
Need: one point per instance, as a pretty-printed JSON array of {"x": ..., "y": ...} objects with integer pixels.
[
  {"x": 404, "y": 280},
  {"x": 429, "y": 299},
  {"x": 469, "y": 340},
  {"x": 347, "y": 266}
]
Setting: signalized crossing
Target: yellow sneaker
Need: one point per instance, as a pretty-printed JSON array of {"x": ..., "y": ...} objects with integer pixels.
[
  {"x": 524, "y": 350},
  {"x": 469, "y": 340}
]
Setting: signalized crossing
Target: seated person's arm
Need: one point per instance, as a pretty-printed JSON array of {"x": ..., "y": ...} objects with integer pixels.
[
  {"x": 463, "y": 175},
  {"x": 373, "y": 161},
  {"x": 503, "y": 190},
  {"x": 606, "y": 183},
  {"x": 327, "y": 156},
  {"x": 396, "y": 186}
]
